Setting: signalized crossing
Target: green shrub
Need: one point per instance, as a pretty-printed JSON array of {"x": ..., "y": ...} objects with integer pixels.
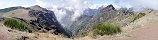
[
  {"x": 106, "y": 28},
  {"x": 14, "y": 24},
  {"x": 138, "y": 16}
]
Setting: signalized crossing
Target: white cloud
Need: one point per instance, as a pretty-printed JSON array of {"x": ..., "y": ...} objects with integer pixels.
[
  {"x": 153, "y": 4},
  {"x": 75, "y": 15},
  {"x": 77, "y": 5},
  {"x": 59, "y": 14},
  {"x": 147, "y": 3}
]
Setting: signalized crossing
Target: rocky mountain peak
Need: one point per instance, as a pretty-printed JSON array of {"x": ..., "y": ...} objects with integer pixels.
[
  {"x": 109, "y": 7},
  {"x": 36, "y": 6}
]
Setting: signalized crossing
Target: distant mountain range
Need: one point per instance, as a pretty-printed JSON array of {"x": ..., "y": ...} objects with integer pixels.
[{"x": 43, "y": 20}]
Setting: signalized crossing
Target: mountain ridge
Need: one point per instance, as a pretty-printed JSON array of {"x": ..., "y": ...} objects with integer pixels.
[
  {"x": 43, "y": 20},
  {"x": 40, "y": 19}
]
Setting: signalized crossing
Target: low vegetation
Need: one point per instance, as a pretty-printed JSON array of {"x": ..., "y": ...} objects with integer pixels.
[
  {"x": 138, "y": 16},
  {"x": 14, "y": 24},
  {"x": 106, "y": 28}
]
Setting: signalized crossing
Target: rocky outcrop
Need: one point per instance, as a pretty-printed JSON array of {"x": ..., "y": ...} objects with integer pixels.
[{"x": 45, "y": 21}]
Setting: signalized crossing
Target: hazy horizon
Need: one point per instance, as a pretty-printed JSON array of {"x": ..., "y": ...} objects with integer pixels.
[{"x": 80, "y": 4}]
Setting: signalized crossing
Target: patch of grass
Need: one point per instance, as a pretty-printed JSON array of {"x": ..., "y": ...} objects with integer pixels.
[
  {"x": 14, "y": 24},
  {"x": 138, "y": 16},
  {"x": 106, "y": 28},
  {"x": 17, "y": 39}
]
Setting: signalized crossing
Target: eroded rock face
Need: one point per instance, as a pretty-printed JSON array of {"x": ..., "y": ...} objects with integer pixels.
[{"x": 45, "y": 21}]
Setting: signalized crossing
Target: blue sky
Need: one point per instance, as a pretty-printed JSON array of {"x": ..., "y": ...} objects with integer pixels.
[
  {"x": 10, "y": 3},
  {"x": 80, "y": 3}
]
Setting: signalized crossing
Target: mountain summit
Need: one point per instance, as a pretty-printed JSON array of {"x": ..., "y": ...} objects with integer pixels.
[{"x": 109, "y": 7}]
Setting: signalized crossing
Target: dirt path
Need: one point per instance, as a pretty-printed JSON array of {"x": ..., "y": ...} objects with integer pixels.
[{"x": 150, "y": 32}]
